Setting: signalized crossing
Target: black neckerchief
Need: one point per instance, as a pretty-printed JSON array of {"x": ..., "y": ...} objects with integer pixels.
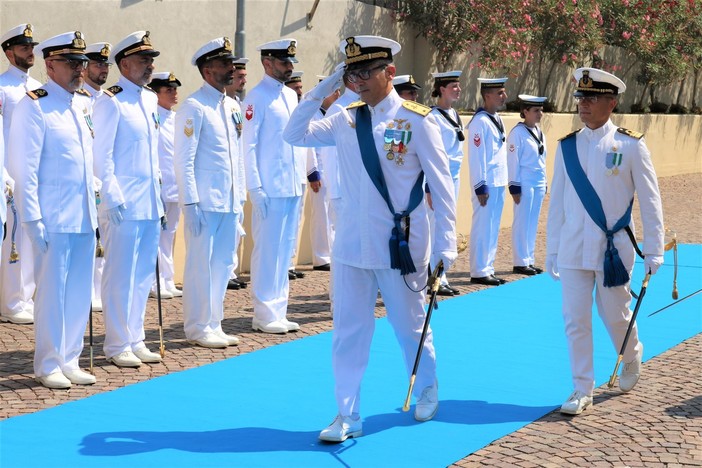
[
  {"x": 539, "y": 139},
  {"x": 458, "y": 126},
  {"x": 497, "y": 123}
]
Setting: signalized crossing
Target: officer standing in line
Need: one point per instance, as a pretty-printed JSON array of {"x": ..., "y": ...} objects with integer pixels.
[
  {"x": 234, "y": 91},
  {"x": 488, "y": 175},
  {"x": 126, "y": 161},
  {"x": 166, "y": 86},
  {"x": 51, "y": 155},
  {"x": 526, "y": 166},
  {"x": 16, "y": 279},
  {"x": 382, "y": 198},
  {"x": 274, "y": 178},
  {"x": 406, "y": 87},
  {"x": 597, "y": 172},
  {"x": 95, "y": 76},
  {"x": 211, "y": 187}
]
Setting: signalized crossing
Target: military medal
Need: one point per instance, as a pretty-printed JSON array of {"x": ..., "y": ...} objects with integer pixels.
[
  {"x": 89, "y": 122},
  {"x": 612, "y": 162},
  {"x": 236, "y": 116},
  {"x": 390, "y": 155},
  {"x": 157, "y": 120},
  {"x": 615, "y": 171}
]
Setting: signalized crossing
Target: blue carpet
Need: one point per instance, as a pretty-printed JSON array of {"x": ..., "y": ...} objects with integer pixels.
[{"x": 502, "y": 364}]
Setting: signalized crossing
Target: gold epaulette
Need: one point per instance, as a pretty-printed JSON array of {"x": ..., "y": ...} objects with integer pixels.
[
  {"x": 355, "y": 104},
  {"x": 113, "y": 90},
  {"x": 37, "y": 93},
  {"x": 417, "y": 108},
  {"x": 570, "y": 134},
  {"x": 107, "y": 93},
  {"x": 631, "y": 133},
  {"x": 83, "y": 92},
  {"x": 150, "y": 89}
]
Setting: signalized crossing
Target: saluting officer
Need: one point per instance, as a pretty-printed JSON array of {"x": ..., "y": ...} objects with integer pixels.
[
  {"x": 382, "y": 171},
  {"x": 275, "y": 174},
  {"x": 16, "y": 279},
  {"x": 597, "y": 171},
  {"x": 208, "y": 162},
  {"x": 51, "y": 156},
  {"x": 488, "y": 175},
  {"x": 126, "y": 161}
]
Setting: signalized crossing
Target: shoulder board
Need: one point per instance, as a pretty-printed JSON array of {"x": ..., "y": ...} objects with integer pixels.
[
  {"x": 150, "y": 89},
  {"x": 107, "y": 93},
  {"x": 417, "y": 108},
  {"x": 83, "y": 92},
  {"x": 631, "y": 133},
  {"x": 570, "y": 135},
  {"x": 356, "y": 104},
  {"x": 37, "y": 93},
  {"x": 113, "y": 90}
]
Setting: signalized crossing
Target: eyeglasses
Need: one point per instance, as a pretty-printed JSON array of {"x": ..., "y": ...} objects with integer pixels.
[
  {"x": 364, "y": 74},
  {"x": 590, "y": 99},
  {"x": 74, "y": 64}
]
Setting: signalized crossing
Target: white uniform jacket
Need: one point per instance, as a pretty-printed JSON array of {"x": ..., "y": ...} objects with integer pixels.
[
  {"x": 126, "y": 150},
  {"x": 453, "y": 147},
  {"x": 271, "y": 163},
  {"x": 524, "y": 163},
  {"x": 169, "y": 187},
  {"x": 328, "y": 154},
  {"x": 364, "y": 222},
  {"x": 208, "y": 158},
  {"x": 571, "y": 233},
  {"x": 487, "y": 152},
  {"x": 3, "y": 175},
  {"x": 14, "y": 84},
  {"x": 54, "y": 176}
]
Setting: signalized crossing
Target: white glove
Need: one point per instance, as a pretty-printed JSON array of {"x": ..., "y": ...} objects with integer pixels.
[
  {"x": 652, "y": 262},
  {"x": 116, "y": 215},
  {"x": 97, "y": 184},
  {"x": 259, "y": 200},
  {"x": 552, "y": 266},
  {"x": 194, "y": 218},
  {"x": 328, "y": 85},
  {"x": 37, "y": 235},
  {"x": 448, "y": 257}
]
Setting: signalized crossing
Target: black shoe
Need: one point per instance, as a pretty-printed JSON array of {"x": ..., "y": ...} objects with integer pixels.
[
  {"x": 536, "y": 269},
  {"x": 233, "y": 284},
  {"x": 444, "y": 291},
  {"x": 455, "y": 291},
  {"x": 242, "y": 284},
  {"x": 325, "y": 267},
  {"x": 501, "y": 280},
  {"x": 524, "y": 270},
  {"x": 486, "y": 280},
  {"x": 292, "y": 275},
  {"x": 299, "y": 274}
]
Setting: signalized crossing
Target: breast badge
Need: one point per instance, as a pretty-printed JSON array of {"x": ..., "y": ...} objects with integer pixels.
[{"x": 249, "y": 112}]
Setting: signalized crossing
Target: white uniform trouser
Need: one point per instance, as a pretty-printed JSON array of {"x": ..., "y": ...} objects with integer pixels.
[
  {"x": 130, "y": 269},
  {"x": 17, "y": 282},
  {"x": 355, "y": 294},
  {"x": 432, "y": 227},
  {"x": 208, "y": 261},
  {"x": 62, "y": 302},
  {"x": 273, "y": 245},
  {"x": 484, "y": 230},
  {"x": 321, "y": 232},
  {"x": 97, "y": 278},
  {"x": 238, "y": 235},
  {"x": 296, "y": 240},
  {"x": 613, "y": 308},
  {"x": 525, "y": 224},
  {"x": 165, "y": 246}
]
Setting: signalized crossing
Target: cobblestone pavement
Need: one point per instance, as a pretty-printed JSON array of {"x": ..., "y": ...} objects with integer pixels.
[{"x": 658, "y": 424}]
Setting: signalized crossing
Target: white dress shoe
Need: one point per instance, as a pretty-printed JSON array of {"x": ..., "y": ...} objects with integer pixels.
[
  {"x": 165, "y": 294},
  {"x": 210, "y": 340},
  {"x": 96, "y": 306},
  {"x": 54, "y": 380},
  {"x": 631, "y": 372},
  {"x": 271, "y": 327},
  {"x": 20, "y": 318},
  {"x": 230, "y": 339},
  {"x": 427, "y": 404},
  {"x": 78, "y": 377},
  {"x": 125, "y": 359},
  {"x": 576, "y": 403},
  {"x": 176, "y": 292},
  {"x": 291, "y": 326},
  {"x": 147, "y": 356},
  {"x": 341, "y": 429}
]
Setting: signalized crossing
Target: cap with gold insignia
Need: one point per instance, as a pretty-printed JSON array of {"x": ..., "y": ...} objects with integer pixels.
[
  {"x": 70, "y": 45},
  {"x": 447, "y": 77},
  {"x": 240, "y": 63},
  {"x": 295, "y": 77},
  {"x": 283, "y": 49},
  {"x": 161, "y": 79},
  {"x": 527, "y": 100},
  {"x": 138, "y": 43},
  {"x": 360, "y": 50},
  {"x": 99, "y": 52},
  {"x": 405, "y": 82},
  {"x": 20, "y": 34},
  {"x": 220, "y": 47},
  {"x": 492, "y": 83},
  {"x": 593, "y": 81}
]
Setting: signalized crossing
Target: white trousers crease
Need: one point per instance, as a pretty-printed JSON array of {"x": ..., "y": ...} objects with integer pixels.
[
  {"x": 17, "y": 281},
  {"x": 484, "y": 231},
  {"x": 165, "y": 246},
  {"x": 525, "y": 224}
]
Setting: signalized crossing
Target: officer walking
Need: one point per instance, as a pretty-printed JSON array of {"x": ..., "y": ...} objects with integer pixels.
[
  {"x": 51, "y": 156},
  {"x": 211, "y": 186}
]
